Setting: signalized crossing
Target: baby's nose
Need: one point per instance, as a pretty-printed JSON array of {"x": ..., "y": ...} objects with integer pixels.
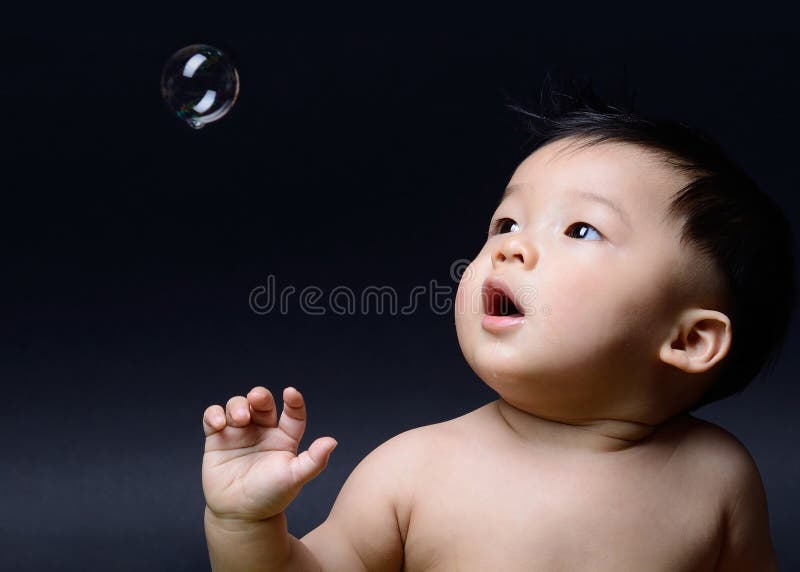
[{"x": 513, "y": 249}]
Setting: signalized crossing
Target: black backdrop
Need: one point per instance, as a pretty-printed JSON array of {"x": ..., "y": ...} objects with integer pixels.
[{"x": 366, "y": 148}]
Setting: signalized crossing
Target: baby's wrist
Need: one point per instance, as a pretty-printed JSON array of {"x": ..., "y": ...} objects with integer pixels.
[{"x": 233, "y": 523}]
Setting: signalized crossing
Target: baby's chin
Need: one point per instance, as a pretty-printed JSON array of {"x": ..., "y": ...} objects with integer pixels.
[
  {"x": 502, "y": 374},
  {"x": 526, "y": 379},
  {"x": 499, "y": 360}
]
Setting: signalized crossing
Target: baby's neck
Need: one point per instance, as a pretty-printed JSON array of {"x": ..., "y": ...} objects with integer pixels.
[{"x": 590, "y": 435}]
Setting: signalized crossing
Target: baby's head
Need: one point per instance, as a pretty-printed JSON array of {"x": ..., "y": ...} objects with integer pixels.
[{"x": 650, "y": 274}]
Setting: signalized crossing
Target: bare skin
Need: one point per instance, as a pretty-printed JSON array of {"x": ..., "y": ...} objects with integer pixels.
[
  {"x": 585, "y": 462},
  {"x": 471, "y": 494},
  {"x": 515, "y": 505}
]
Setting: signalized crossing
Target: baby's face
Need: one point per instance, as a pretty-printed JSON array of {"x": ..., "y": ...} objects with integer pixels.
[{"x": 597, "y": 286}]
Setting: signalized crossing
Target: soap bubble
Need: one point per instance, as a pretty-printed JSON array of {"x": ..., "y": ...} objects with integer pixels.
[{"x": 200, "y": 84}]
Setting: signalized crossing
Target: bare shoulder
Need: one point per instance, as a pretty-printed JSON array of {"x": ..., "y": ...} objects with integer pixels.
[
  {"x": 721, "y": 461},
  {"x": 734, "y": 474},
  {"x": 369, "y": 521},
  {"x": 426, "y": 440},
  {"x": 721, "y": 452},
  {"x": 414, "y": 447},
  {"x": 404, "y": 456},
  {"x": 401, "y": 461}
]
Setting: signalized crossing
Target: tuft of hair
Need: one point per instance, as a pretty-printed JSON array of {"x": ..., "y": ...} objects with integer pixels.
[{"x": 726, "y": 216}]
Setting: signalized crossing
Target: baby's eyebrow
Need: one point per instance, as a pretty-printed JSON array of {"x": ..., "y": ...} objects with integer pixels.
[{"x": 584, "y": 195}]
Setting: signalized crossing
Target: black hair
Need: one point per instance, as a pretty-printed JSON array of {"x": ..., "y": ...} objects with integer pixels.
[{"x": 726, "y": 216}]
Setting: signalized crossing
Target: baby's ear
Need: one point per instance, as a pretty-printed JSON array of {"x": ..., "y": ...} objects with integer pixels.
[{"x": 698, "y": 341}]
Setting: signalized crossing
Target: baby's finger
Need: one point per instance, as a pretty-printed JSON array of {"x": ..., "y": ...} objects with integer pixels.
[
  {"x": 213, "y": 419},
  {"x": 293, "y": 418},
  {"x": 262, "y": 407},
  {"x": 237, "y": 411}
]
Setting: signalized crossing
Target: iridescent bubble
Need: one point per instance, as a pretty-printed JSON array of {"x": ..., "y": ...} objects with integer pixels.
[{"x": 200, "y": 84}]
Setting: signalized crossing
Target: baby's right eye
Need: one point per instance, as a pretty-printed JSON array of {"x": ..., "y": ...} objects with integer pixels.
[{"x": 503, "y": 225}]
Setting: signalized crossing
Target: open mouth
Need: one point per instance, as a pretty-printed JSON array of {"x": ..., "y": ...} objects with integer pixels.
[
  {"x": 502, "y": 314},
  {"x": 498, "y": 302}
]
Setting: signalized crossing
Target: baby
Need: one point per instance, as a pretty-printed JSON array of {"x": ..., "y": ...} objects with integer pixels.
[{"x": 631, "y": 274}]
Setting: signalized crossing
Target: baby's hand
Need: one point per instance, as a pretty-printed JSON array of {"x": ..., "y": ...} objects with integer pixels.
[{"x": 251, "y": 470}]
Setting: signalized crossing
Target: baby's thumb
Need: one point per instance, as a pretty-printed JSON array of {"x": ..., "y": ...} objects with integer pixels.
[{"x": 311, "y": 462}]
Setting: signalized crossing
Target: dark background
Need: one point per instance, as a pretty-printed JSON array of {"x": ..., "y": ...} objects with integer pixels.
[{"x": 366, "y": 148}]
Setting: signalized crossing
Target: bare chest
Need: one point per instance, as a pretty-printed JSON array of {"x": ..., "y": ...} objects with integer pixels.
[{"x": 493, "y": 512}]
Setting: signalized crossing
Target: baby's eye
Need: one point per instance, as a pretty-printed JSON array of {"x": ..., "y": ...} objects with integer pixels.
[
  {"x": 581, "y": 234},
  {"x": 503, "y": 225}
]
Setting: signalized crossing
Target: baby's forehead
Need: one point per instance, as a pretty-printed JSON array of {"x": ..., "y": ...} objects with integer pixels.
[{"x": 618, "y": 171}]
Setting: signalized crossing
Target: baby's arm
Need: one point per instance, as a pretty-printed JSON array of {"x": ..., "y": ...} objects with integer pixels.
[
  {"x": 746, "y": 544},
  {"x": 363, "y": 530}
]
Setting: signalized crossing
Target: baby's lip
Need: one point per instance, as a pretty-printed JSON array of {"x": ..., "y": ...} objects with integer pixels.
[{"x": 494, "y": 285}]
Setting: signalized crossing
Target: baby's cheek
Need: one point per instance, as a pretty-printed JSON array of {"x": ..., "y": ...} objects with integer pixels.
[
  {"x": 461, "y": 306},
  {"x": 465, "y": 311}
]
